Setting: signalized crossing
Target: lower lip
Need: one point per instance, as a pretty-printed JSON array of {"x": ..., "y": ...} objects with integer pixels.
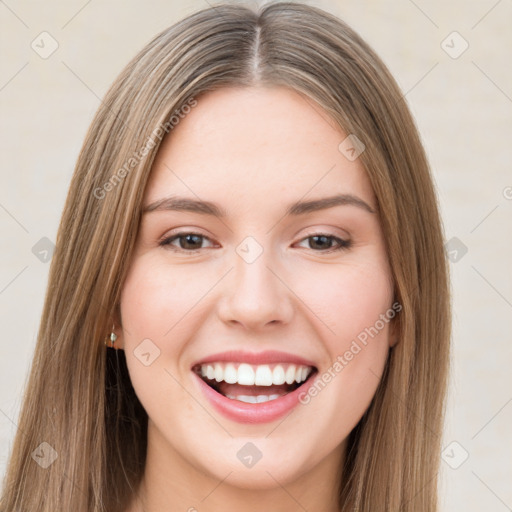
[{"x": 265, "y": 412}]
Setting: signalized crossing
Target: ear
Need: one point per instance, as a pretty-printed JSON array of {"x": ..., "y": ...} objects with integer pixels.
[
  {"x": 118, "y": 327},
  {"x": 394, "y": 324},
  {"x": 393, "y": 333}
]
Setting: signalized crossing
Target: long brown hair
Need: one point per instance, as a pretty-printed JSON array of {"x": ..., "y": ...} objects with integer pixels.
[{"x": 79, "y": 405}]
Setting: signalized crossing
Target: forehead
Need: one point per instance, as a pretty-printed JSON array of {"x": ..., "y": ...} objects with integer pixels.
[{"x": 253, "y": 146}]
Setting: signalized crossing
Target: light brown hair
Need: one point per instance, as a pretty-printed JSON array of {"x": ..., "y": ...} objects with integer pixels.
[{"x": 79, "y": 397}]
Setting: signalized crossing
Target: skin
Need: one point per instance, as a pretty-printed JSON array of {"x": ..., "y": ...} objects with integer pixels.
[{"x": 253, "y": 151}]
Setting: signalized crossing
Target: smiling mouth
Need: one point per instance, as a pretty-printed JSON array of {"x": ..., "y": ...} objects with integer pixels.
[{"x": 254, "y": 383}]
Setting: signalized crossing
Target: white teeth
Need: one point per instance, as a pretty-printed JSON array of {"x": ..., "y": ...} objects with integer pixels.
[
  {"x": 278, "y": 375},
  {"x": 253, "y": 399},
  {"x": 245, "y": 375},
  {"x": 255, "y": 375},
  {"x": 219, "y": 373},
  {"x": 230, "y": 374},
  {"x": 290, "y": 374},
  {"x": 263, "y": 376}
]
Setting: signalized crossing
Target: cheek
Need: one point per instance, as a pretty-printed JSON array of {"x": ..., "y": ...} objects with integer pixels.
[
  {"x": 355, "y": 303},
  {"x": 351, "y": 302},
  {"x": 155, "y": 299},
  {"x": 154, "y": 307},
  {"x": 348, "y": 300}
]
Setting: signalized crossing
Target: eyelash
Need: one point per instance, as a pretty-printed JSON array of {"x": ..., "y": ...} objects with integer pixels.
[{"x": 342, "y": 244}]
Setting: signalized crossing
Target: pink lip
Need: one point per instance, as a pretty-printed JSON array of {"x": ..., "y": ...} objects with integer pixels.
[
  {"x": 264, "y": 412},
  {"x": 267, "y": 357}
]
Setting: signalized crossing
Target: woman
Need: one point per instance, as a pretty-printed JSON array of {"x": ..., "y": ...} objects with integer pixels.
[{"x": 253, "y": 232}]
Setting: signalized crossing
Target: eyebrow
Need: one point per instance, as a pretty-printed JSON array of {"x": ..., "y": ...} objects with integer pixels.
[{"x": 177, "y": 203}]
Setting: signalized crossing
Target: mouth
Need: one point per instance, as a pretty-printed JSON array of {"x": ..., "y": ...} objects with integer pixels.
[{"x": 251, "y": 383}]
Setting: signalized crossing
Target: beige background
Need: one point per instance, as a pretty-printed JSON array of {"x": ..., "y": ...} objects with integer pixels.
[{"x": 463, "y": 108}]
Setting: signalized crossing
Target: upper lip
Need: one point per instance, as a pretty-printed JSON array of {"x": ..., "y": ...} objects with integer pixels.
[{"x": 256, "y": 358}]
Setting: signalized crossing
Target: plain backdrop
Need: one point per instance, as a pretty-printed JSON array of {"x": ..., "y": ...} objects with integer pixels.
[{"x": 452, "y": 61}]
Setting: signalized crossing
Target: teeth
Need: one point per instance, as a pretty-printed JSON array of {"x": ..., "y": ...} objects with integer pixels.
[
  {"x": 245, "y": 374},
  {"x": 253, "y": 399},
  {"x": 230, "y": 374},
  {"x": 290, "y": 374},
  {"x": 263, "y": 376},
  {"x": 259, "y": 375},
  {"x": 278, "y": 375}
]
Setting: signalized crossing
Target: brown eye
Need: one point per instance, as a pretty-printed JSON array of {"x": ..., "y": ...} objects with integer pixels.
[
  {"x": 187, "y": 242},
  {"x": 327, "y": 243}
]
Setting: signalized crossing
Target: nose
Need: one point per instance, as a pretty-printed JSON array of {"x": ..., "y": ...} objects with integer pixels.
[{"x": 256, "y": 294}]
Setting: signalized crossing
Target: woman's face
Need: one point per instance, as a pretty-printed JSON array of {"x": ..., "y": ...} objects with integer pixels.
[{"x": 268, "y": 285}]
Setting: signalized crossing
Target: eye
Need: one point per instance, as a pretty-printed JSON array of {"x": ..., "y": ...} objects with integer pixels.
[
  {"x": 192, "y": 242},
  {"x": 324, "y": 243},
  {"x": 187, "y": 241}
]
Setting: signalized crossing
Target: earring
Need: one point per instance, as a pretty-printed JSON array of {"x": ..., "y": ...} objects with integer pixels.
[{"x": 113, "y": 338}]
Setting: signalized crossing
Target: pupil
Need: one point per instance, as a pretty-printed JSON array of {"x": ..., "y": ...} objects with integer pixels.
[
  {"x": 323, "y": 238},
  {"x": 190, "y": 238}
]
